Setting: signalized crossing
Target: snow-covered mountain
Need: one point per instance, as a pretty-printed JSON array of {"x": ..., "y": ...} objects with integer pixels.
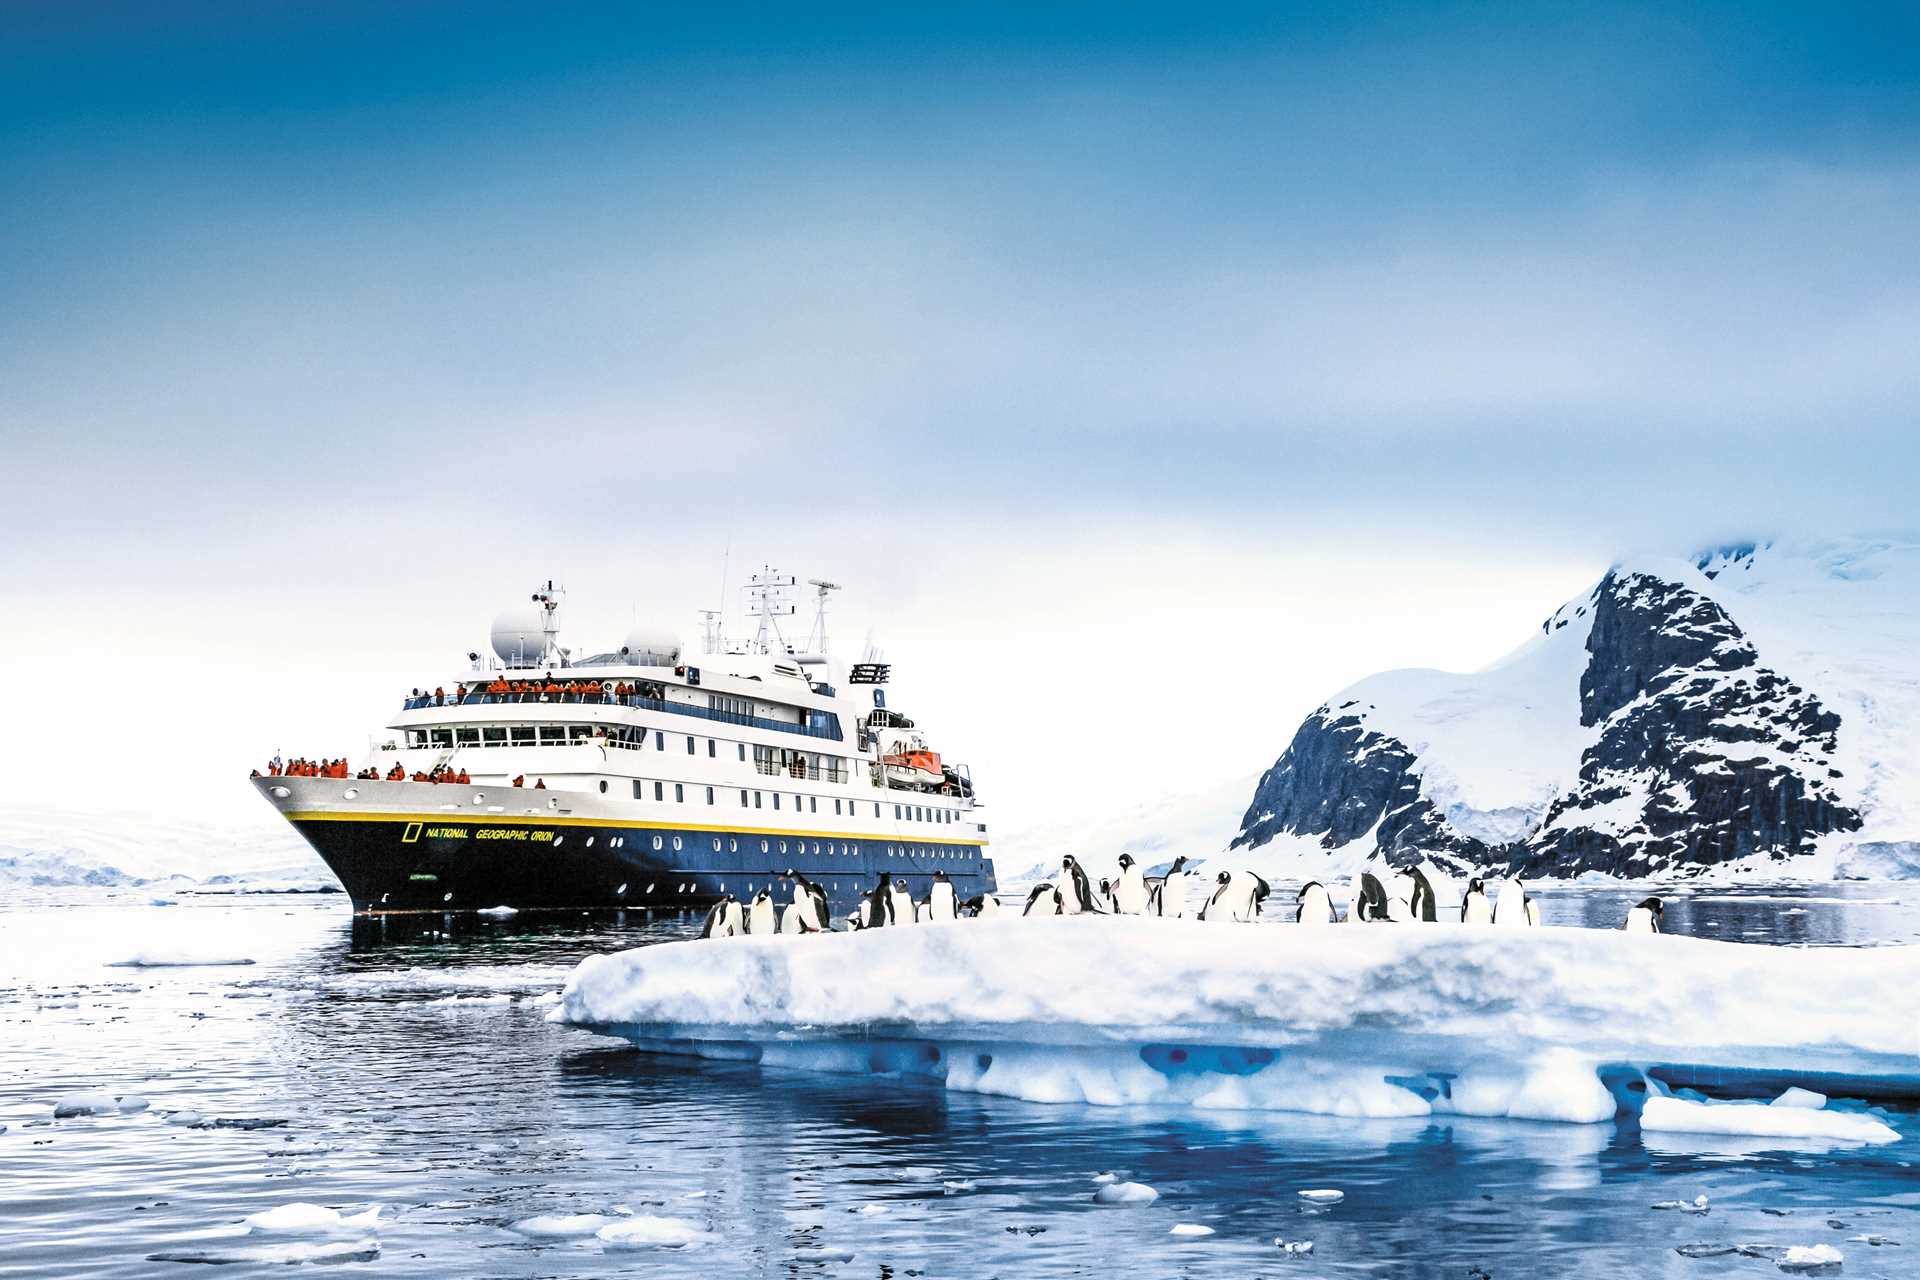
[
  {"x": 1752, "y": 706},
  {"x": 47, "y": 847}
]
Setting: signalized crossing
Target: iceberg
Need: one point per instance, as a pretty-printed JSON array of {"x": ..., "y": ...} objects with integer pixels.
[{"x": 1401, "y": 1020}]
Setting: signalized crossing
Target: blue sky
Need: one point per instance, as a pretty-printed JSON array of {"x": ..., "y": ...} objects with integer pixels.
[{"x": 302, "y": 304}]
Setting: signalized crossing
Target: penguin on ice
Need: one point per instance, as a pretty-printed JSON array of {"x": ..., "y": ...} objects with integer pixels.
[
  {"x": 790, "y": 919},
  {"x": 1313, "y": 904},
  {"x": 876, "y": 908},
  {"x": 1076, "y": 892},
  {"x": 1515, "y": 906},
  {"x": 1421, "y": 903},
  {"x": 760, "y": 917},
  {"x": 942, "y": 906},
  {"x": 983, "y": 906},
  {"x": 1369, "y": 901},
  {"x": 725, "y": 920},
  {"x": 1105, "y": 897},
  {"x": 809, "y": 904},
  {"x": 1130, "y": 892},
  {"x": 1043, "y": 901},
  {"x": 900, "y": 900},
  {"x": 1474, "y": 906},
  {"x": 1644, "y": 918},
  {"x": 1236, "y": 898},
  {"x": 1170, "y": 895}
]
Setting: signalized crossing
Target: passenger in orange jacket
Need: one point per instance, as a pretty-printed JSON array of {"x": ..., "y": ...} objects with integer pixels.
[
  {"x": 463, "y": 778},
  {"x": 520, "y": 780},
  {"x": 539, "y": 784}
]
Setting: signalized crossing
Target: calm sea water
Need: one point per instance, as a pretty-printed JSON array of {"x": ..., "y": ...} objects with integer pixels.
[{"x": 394, "y": 1065}]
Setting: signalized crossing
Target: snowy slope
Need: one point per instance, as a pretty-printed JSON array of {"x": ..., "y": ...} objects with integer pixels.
[
  {"x": 42, "y": 846},
  {"x": 1753, "y": 706},
  {"x": 1197, "y": 825}
]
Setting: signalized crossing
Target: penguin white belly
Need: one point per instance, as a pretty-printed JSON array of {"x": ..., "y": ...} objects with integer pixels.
[
  {"x": 806, "y": 912},
  {"x": 902, "y": 902},
  {"x": 1640, "y": 920},
  {"x": 1173, "y": 896},
  {"x": 1510, "y": 908},
  {"x": 761, "y": 921},
  {"x": 1069, "y": 900},
  {"x": 1130, "y": 895},
  {"x": 1316, "y": 905},
  {"x": 989, "y": 906},
  {"x": 733, "y": 921},
  {"x": 790, "y": 920},
  {"x": 1477, "y": 910},
  {"x": 941, "y": 905}
]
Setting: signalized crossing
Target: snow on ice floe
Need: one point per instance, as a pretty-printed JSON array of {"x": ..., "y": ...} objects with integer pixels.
[
  {"x": 1393, "y": 1021},
  {"x": 86, "y": 1102},
  {"x": 561, "y": 1226},
  {"x": 1811, "y": 1257},
  {"x": 1125, "y": 1193},
  {"x": 644, "y": 1231},
  {"x": 1190, "y": 1230},
  {"x": 363, "y": 1249},
  {"x": 301, "y": 1218},
  {"x": 1753, "y": 1119},
  {"x": 1327, "y": 1196}
]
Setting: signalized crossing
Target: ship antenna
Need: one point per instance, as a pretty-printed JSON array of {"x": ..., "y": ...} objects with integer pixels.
[
  {"x": 817, "y": 638},
  {"x": 767, "y": 600}
]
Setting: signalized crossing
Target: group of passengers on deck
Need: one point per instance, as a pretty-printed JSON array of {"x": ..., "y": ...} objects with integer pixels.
[{"x": 540, "y": 690}]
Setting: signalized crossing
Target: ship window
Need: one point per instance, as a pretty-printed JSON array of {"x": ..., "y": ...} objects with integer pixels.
[
  {"x": 876, "y": 810},
  {"x": 466, "y": 737},
  {"x": 639, "y": 788},
  {"x": 710, "y": 749},
  {"x": 676, "y": 842},
  {"x": 756, "y": 799},
  {"x": 743, "y": 751},
  {"x": 776, "y": 799},
  {"x": 659, "y": 740},
  {"x": 494, "y": 736},
  {"x": 816, "y": 847},
  {"x": 553, "y": 733},
  {"x": 896, "y": 813},
  {"x": 689, "y": 744},
  {"x": 659, "y": 791},
  {"x": 813, "y": 804},
  {"x": 580, "y": 732},
  {"x": 679, "y": 794},
  {"x": 710, "y": 800},
  {"x": 522, "y": 735},
  {"x": 657, "y": 842},
  {"x": 743, "y": 797},
  {"x": 442, "y": 737},
  {"x": 763, "y": 846},
  {"x": 733, "y": 844},
  {"x": 603, "y": 786},
  {"x": 783, "y": 846}
]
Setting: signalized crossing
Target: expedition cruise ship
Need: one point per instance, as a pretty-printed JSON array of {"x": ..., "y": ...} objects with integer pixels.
[{"x": 642, "y": 778}]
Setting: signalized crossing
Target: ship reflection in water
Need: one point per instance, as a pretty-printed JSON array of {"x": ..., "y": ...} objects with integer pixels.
[{"x": 411, "y": 1063}]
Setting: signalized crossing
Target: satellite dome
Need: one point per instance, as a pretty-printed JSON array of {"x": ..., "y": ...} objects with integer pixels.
[
  {"x": 647, "y": 646},
  {"x": 519, "y": 636}
]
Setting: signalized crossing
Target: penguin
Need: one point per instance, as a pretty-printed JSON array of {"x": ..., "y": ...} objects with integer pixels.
[
  {"x": 1314, "y": 905},
  {"x": 983, "y": 906},
  {"x": 1421, "y": 903},
  {"x": 1076, "y": 892},
  {"x": 900, "y": 902},
  {"x": 1236, "y": 898},
  {"x": 790, "y": 919},
  {"x": 1130, "y": 892},
  {"x": 877, "y": 907},
  {"x": 1043, "y": 901},
  {"x": 1369, "y": 901},
  {"x": 760, "y": 917},
  {"x": 942, "y": 905},
  {"x": 1474, "y": 907},
  {"x": 1515, "y": 906},
  {"x": 724, "y": 920},
  {"x": 1644, "y": 918},
  {"x": 1170, "y": 895},
  {"x": 810, "y": 904}
]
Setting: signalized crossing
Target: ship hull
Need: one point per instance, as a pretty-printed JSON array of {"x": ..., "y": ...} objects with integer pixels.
[{"x": 399, "y": 852}]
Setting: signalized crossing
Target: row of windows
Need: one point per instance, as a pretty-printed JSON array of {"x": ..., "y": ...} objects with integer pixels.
[
  {"x": 922, "y": 813},
  {"x": 642, "y": 788},
  {"x": 850, "y": 849},
  {"x": 776, "y": 761}
]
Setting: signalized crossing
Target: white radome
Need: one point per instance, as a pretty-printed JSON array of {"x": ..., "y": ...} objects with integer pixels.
[
  {"x": 652, "y": 647},
  {"x": 519, "y": 635}
]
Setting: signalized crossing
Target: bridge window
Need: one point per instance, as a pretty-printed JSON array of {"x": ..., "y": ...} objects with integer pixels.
[
  {"x": 550, "y": 733},
  {"x": 493, "y": 736},
  {"x": 523, "y": 735},
  {"x": 466, "y": 737}
]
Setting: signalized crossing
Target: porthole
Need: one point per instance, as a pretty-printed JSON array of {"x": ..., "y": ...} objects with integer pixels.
[
  {"x": 621, "y": 892},
  {"x": 557, "y": 840},
  {"x": 658, "y": 842},
  {"x": 589, "y": 842},
  {"x": 676, "y": 844},
  {"x": 280, "y": 793},
  {"x": 603, "y": 786},
  {"x": 816, "y": 847},
  {"x": 763, "y": 846},
  {"x": 447, "y": 898},
  {"x": 351, "y": 793},
  {"x": 783, "y": 846},
  {"x": 716, "y": 844},
  {"x": 733, "y": 844},
  {"x": 479, "y": 797}
]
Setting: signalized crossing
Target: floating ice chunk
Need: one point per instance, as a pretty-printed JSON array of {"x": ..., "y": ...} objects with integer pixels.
[
  {"x": 1798, "y": 1097},
  {"x": 1295, "y": 1247},
  {"x": 498, "y": 911},
  {"x": 1193, "y": 1229},
  {"x": 185, "y": 1119},
  {"x": 327, "y": 1251},
  {"x": 1811, "y": 1257},
  {"x": 1704, "y": 1250},
  {"x": 1680, "y": 1115},
  {"x": 133, "y": 1104},
  {"x": 301, "y": 1218},
  {"x": 1106, "y": 1179},
  {"x": 87, "y": 1102},
  {"x": 1323, "y": 1196},
  {"x": 871, "y": 1210},
  {"x": 647, "y": 1232},
  {"x": 179, "y": 956},
  {"x": 955, "y": 1188},
  {"x": 1696, "y": 1205},
  {"x": 474, "y": 1001},
  {"x": 1125, "y": 1193},
  {"x": 558, "y": 1226}
]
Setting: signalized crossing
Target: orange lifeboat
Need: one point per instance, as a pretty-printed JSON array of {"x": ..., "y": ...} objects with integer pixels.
[{"x": 916, "y": 767}]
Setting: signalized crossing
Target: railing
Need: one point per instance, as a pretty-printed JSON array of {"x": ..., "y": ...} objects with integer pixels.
[{"x": 830, "y": 729}]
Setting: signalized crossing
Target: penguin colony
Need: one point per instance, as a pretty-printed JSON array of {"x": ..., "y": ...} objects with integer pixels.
[{"x": 1236, "y": 898}]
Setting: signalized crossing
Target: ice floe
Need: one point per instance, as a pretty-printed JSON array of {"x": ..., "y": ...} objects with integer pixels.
[
  {"x": 88, "y": 1102},
  {"x": 644, "y": 1231},
  {"x": 179, "y": 956},
  {"x": 1753, "y": 1119},
  {"x": 364, "y": 1249},
  {"x": 1189, "y": 1229},
  {"x": 301, "y": 1218},
  {"x": 1811, "y": 1257},
  {"x": 1541, "y": 1024},
  {"x": 1326, "y": 1196},
  {"x": 1125, "y": 1193},
  {"x": 560, "y": 1226}
]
